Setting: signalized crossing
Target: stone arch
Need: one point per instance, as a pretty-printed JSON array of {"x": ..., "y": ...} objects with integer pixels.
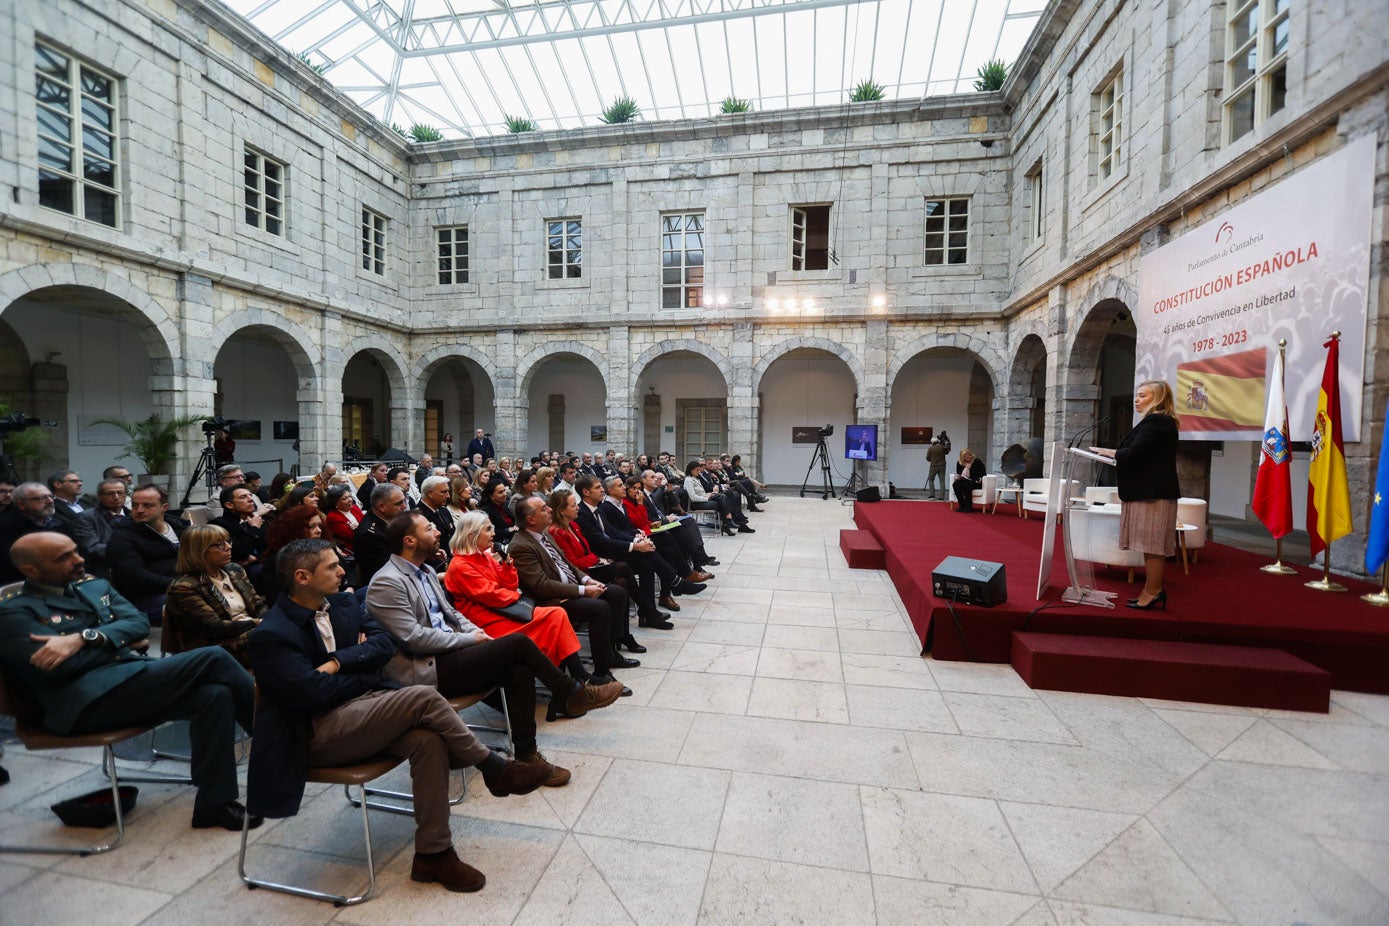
[
  {"x": 526, "y": 368},
  {"x": 1024, "y": 405},
  {"x": 790, "y": 344},
  {"x": 372, "y": 344},
  {"x": 430, "y": 361},
  {"x": 975, "y": 426},
  {"x": 1080, "y": 381},
  {"x": 989, "y": 358},
  {"x": 298, "y": 343},
  {"x": 159, "y": 330},
  {"x": 681, "y": 345}
]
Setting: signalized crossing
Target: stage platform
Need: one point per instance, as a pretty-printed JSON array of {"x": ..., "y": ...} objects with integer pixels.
[{"x": 1225, "y": 599}]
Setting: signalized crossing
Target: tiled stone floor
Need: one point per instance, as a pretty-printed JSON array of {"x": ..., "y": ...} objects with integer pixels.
[{"x": 788, "y": 758}]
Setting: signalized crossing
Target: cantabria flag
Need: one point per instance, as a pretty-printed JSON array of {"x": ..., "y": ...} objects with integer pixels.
[{"x": 1223, "y": 393}]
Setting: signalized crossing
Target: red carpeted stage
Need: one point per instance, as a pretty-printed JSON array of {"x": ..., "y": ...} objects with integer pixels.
[{"x": 1225, "y": 599}]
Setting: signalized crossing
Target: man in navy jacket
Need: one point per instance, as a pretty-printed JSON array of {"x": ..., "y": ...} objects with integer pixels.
[{"x": 325, "y": 700}]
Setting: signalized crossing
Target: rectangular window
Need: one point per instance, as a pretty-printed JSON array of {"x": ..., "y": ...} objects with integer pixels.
[
  {"x": 810, "y": 237},
  {"x": 453, "y": 255},
  {"x": 356, "y": 422},
  {"x": 1109, "y": 127},
  {"x": 947, "y": 231},
  {"x": 1035, "y": 202},
  {"x": 79, "y": 147},
  {"x": 264, "y": 182},
  {"x": 433, "y": 414},
  {"x": 373, "y": 242},
  {"x": 564, "y": 249},
  {"x": 682, "y": 260},
  {"x": 1256, "y": 63}
]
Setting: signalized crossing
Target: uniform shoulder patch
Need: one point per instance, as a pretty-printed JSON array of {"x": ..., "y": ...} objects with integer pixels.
[
  {"x": 84, "y": 579},
  {"x": 13, "y": 593}
]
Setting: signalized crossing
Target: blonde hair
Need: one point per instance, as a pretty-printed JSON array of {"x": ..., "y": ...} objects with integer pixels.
[
  {"x": 470, "y": 528},
  {"x": 966, "y": 452},
  {"x": 193, "y": 545},
  {"x": 1163, "y": 402},
  {"x": 545, "y": 472}
]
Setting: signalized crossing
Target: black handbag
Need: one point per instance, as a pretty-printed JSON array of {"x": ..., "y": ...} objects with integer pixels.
[{"x": 521, "y": 610}]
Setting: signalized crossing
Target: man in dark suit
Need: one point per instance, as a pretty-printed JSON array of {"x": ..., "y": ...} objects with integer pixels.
[
  {"x": 369, "y": 540},
  {"x": 65, "y": 638},
  {"x": 687, "y": 535},
  {"x": 481, "y": 445},
  {"x": 434, "y": 505},
  {"x": 375, "y": 477},
  {"x": 551, "y": 579},
  {"x": 318, "y": 658},
  {"x": 683, "y": 575},
  {"x": 606, "y": 539},
  {"x": 243, "y": 519},
  {"x": 144, "y": 552},
  {"x": 69, "y": 503},
  {"x": 93, "y": 530},
  {"x": 30, "y": 511}
]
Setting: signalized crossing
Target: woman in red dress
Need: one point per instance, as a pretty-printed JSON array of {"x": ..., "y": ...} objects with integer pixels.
[
  {"x": 480, "y": 579},
  {"x": 564, "y": 508}
]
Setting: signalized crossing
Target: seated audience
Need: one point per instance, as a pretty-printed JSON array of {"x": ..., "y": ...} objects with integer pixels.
[
  {"x": 228, "y": 476},
  {"x": 281, "y": 484},
  {"x": 253, "y": 483},
  {"x": 301, "y": 523},
  {"x": 434, "y": 501},
  {"x": 523, "y": 487},
  {"x": 671, "y": 543},
  {"x": 30, "y": 513},
  {"x": 494, "y": 505},
  {"x": 212, "y": 602},
  {"x": 424, "y": 470},
  {"x": 144, "y": 551},
  {"x": 657, "y": 501},
  {"x": 969, "y": 475},
  {"x": 460, "y": 498},
  {"x": 93, "y": 530},
  {"x": 69, "y": 504},
  {"x": 479, "y": 580},
  {"x": 86, "y": 679},
  {"x": 704, "y": 500},
  {"x": 375, "y": 477},
  {"x": 741, "y": 482},
  {"x": 304, "y": 494},
  {"x": 369, "y": 542},
  {"x": 569, "y": 537},
  {"x": 243, "y": 518},
  {"x": 608, "y": 531},
  {"x": 326, "y": 701},
  {"x": 344, "y": 517},
  {"x": 544, "y": 482},
  {"x": 440, "y": 647},
  {"x": 324, "y": 477},
  {"x": 568, "y": 472},
  {"x": 6, "y": 493}
]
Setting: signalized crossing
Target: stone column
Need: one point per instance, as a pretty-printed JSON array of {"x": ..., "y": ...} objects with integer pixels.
[
  {"x": 324, "y": 438},
  {"x": 622, "y": 411},
  {"x": 511, "y": 409},
  {"x": 873, "y": 402},
  {"x": 742, "y": 402}
]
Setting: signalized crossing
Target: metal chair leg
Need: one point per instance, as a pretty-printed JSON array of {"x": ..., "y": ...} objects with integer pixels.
[
  {"x": 108, "y": 766},
  {"x": 337, "y": 900}
]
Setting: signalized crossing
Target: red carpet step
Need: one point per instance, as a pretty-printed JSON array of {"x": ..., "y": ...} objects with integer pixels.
[
  {"x": 861, "y": 550},
  {"x": 1246, "y": 676}
]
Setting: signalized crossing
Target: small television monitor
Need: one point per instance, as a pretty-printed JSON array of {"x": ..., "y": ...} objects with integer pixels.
[{"x": 861, "y": 442}]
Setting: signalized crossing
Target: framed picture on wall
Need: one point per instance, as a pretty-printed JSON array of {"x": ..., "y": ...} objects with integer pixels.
[
  {"x": 598, "y": 433},
  {"x": 245, "y": 430},
  {"x": 286, "y": 430},
  {"x": 805, "y": 434},
  {"x": 917, "y": 435}
]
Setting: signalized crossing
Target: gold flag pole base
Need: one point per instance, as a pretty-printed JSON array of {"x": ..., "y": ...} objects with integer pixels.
[
  {"x": 1324, "y": 584},
  {"x": 1379, "y": 599},
  {"x": 1276, "y": 567}
]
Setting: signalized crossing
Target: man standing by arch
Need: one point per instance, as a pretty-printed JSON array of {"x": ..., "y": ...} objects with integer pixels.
[
  {"x": 935, "y": 476},
  {"x": 481, "y": 444}
]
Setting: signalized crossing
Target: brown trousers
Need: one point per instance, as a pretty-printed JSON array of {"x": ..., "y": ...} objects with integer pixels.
[{"x": 416, "y": 723}]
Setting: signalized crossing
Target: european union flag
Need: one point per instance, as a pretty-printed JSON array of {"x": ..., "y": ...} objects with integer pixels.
[{"x": 1377, "y": 547}]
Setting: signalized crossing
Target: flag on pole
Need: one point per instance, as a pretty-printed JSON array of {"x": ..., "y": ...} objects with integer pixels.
[
  {"x": 1273, "y": 486},
  {"x": 1328, "y": 489},
  {"x": 1377, "y": 546}
]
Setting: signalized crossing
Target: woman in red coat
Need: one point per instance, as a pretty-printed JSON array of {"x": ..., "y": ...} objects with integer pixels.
[
  {"x": 564, "y": 508},
  {"x": 343, "y": 515},
  {"x": 479, "y": 579}
]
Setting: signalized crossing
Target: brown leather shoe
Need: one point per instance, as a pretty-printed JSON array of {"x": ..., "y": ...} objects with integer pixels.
[
  {"x": 668, "y": 602},
  {"x": 559, "y": 777},
  {"x": 589, "y": 697},
  {"x": 519, "y": 778},
  {"x": 698, "y": 576},
  {"x": 447, "y": 869}
]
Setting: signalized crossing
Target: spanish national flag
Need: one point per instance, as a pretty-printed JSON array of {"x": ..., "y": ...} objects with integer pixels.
[
  {"x": 1328, "y": 489},
  {"x": 1223, "y": 393}
]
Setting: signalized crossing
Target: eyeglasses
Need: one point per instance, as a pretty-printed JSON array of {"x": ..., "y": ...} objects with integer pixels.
[{"x": 222, "y": 545}]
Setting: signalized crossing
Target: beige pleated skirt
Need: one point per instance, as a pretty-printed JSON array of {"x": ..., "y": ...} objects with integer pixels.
[{"x": 1149, "y": 526}]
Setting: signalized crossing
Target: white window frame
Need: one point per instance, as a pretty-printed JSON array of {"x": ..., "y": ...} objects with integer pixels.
[
  {"x": 939, "y": 224},
  {"x": 78, "y": 128},
  {"x": 259, "y": 185},
  {"x": 570, "y": 263},
  {"x": 373, "y": 240},
  {"x": 447, "y": 237},
  {"x": 1109, "y": 127},
  {"x": 798, "y": 235},
  {"x": 1272, "y": 17},
  {"x": 1036, "y": 226},
  {"x": 691, "y": 293}
]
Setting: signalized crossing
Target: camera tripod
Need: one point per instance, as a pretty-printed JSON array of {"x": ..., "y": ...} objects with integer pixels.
[
  {"x": 856, "y": 482},
  {"x": 821, "y": 456},
  {"x": 206, "y": 469}
]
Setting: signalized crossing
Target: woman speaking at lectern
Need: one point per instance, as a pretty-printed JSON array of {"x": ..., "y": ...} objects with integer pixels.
[{"x": 1147, "y": 464}]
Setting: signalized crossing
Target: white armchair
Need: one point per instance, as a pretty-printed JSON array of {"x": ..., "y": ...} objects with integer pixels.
[
  {"x": 1095, "y": 538},
  {"x": 1034, "y": 494},
  {"x": 985, "y": 495},
  {"x": 1193, "y": 511}
]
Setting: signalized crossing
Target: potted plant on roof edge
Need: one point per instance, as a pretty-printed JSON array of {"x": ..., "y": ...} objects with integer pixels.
[{"x": 153, "y": 441}]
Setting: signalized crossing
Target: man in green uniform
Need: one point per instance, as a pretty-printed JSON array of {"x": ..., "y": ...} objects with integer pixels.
[{"x": 65, "y": 639}]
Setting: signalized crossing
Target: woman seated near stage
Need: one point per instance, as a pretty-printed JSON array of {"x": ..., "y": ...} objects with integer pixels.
[
  {"x": 479, "y": 580},
  {"x": 969, "y": 475},
  {"x": 212, "y": 602},
  {"x": 494, "y": 505},
  {"x": 343, "y": 515},
  {"x": 565, "y": 532}
]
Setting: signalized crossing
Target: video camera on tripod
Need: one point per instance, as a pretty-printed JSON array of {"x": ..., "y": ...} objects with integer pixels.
[
  {"x": 212, "y": 425},
  {"x": 12, "y": 423}
]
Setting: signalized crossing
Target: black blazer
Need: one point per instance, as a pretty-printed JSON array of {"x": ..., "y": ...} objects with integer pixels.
[
  {"x": 246, "y": 541},
  {"x": 285, "y": 652},
  {"x": 142, "y": 561},
  {"x": 369, "y": 547},
  {"x": 1147, "y": 460},
  {"x": 600, "y": 536},
  {"x": 976, "y": 470}
]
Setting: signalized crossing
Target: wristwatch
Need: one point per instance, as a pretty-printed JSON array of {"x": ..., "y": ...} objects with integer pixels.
[{"x": 93, "y": 636}]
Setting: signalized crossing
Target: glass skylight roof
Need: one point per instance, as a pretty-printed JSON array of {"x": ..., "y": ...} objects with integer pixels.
[{"x": 463, "y": 66}]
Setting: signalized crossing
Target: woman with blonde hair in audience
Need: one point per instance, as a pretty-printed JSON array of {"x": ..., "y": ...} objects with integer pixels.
[
  {"x": 480, "y": 580},
  {"x": 544, "y": 482},
  {"x": 482, "y": 481},
  {"x": 212, "y": 601}
]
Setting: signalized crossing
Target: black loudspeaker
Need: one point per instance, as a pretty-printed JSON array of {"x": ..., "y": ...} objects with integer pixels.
[
  {"x": 970, "y": 581},
  {"x": 870, "y": 494}
]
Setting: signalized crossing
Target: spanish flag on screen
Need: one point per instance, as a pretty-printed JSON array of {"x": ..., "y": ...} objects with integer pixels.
[
  {"x": 1328, "y": 489},
  {"x": 1223, "y": 393}
]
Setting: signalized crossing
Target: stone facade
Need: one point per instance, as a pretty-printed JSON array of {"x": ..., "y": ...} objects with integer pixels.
[{"x": 198, "y": 88}]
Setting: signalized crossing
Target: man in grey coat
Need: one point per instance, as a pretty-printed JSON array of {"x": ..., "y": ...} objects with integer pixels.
[{"x": 442, "y": 648}]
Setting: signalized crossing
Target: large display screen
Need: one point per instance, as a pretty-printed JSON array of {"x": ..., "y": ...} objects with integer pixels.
[{"x": 861, "y": 442}]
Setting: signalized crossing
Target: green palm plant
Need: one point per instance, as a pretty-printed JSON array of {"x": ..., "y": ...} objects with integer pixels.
[
  {"x": 153, "y": 440},
  {"x": 518, "y": 124},
  {"x": 623, "y": 109},
  {"x": 395, "y": 127},
  {"x": 25, "y": 445},
  {"x": 731, "y": 104},
  {"x": 318, "y": 68},
  {"x": 991, "y": 75},
  {"x": 866, "y": 91},
  {"x": 425, "y": 133}
]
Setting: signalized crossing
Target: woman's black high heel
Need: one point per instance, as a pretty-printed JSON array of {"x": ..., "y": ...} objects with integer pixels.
[{"x": 1159, "y": 599}]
